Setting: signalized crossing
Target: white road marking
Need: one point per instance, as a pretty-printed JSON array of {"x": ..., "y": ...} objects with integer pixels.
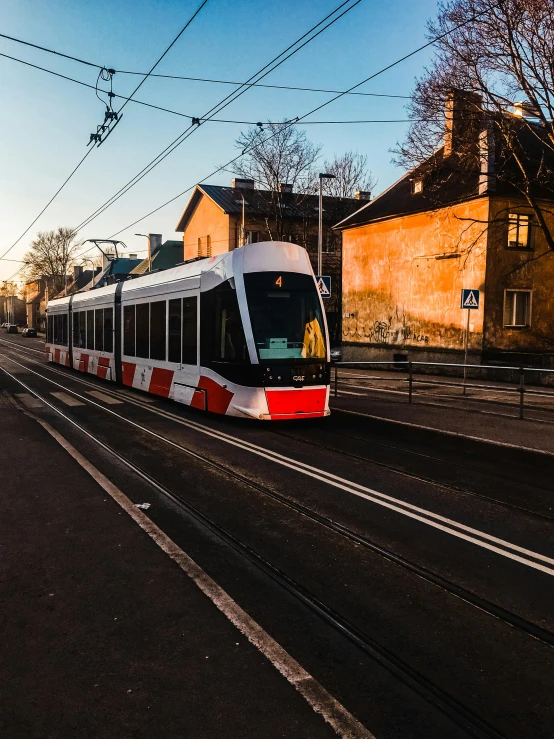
[
  {"x": 29, "y": 400},
  {"x": 103, "y": 397},
  {"x": 67, "y": 399},
  {"x": 407, "y": 509},
  {"x": 322, "y": 702}
]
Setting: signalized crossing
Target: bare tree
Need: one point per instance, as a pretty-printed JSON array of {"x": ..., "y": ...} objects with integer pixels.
[
  {"x": 8, "y": 288},
  {"x": 500, "y": 52},
  {"x": 50, "y": 256},
  {"x": 351, "y": 174},
  {"x": 277, "y": 155}
]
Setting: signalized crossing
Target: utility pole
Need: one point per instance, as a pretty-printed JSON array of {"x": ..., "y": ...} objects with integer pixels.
[{"x": 322, "y": 176}]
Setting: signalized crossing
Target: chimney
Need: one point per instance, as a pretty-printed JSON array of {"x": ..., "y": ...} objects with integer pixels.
[
  {"x": 154, "y": 243},
  {"x": 363, "y": 195},
  {"x": 284, "y": 187},
  {"x": 242, "y": 184},
  {"x": 463, "y": 122},
  {"x": 77, "y": 271},
  {"x": 487, "y": 177}
]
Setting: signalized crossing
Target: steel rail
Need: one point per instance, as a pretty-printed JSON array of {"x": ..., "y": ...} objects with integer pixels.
[
  {"x": 138, "y": 401},
  {"x": 419, "y": 478},
  {"x": 117, "y": 393},
  {"x": 483, "y": 604},
  {"x": 433, "y": 694}
]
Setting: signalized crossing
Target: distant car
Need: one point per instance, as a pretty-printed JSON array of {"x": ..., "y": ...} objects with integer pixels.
[
  {"x": 12, "y": 329},
  {"x": 336, "y": 354},
  {"x": 29, "y": 332}
]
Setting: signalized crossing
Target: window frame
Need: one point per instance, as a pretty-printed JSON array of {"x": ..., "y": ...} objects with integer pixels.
[
  {"x": 515, "y": 216},
  {"x": 518, "y": 326}
]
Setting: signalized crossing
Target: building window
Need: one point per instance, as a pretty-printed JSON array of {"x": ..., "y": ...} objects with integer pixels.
[
  {"x": 252, "y": 237},
  {"x": 417, "y": 186},
  {"x": 519, "y": 231},
  {"x": 517, "y": 308}
]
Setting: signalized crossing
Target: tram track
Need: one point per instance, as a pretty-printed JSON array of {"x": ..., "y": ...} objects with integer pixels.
[
  {"x": 492, "y": 609},
  {"x": 106, "y": 388},
  {"x": 418, "y": 478},
  {"x": 462, "y": 715}
]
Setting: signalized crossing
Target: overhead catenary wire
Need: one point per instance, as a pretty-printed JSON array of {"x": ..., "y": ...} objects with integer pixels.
[
  {"x": 187, "y": 24},
  {"x": 300, "y": 118},
  {"x": 263, "y": 72},
  {"x": 181, "y": 77}
]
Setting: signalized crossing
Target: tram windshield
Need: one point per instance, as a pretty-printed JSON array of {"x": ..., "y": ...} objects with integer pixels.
[{"x": 286, "y": 316}]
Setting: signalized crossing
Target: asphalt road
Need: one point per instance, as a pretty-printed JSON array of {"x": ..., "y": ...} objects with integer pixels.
[{"x": 412, "y": 580}]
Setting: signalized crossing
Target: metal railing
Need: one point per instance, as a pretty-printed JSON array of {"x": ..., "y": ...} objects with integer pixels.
[{"x": 519, "y": 385}]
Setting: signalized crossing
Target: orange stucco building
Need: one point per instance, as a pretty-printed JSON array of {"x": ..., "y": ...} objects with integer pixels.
[{"x": 408, "y": 254}]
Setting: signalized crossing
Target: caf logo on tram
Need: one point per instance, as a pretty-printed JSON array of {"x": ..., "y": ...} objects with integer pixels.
[{"x": 242, "y": 334}]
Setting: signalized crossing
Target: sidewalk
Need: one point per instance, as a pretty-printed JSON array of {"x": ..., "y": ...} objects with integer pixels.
[{"x": 103, "y": 635}]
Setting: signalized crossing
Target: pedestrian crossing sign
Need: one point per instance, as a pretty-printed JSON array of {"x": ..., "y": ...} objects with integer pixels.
[
  {"x": 324, "y": 285},
  {"x": 470, "y": 298}
]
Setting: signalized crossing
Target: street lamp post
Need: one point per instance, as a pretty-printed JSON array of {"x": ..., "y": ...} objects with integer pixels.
[{"x": 322, "y": 176}]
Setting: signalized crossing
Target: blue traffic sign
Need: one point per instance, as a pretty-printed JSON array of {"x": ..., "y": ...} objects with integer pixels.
[
  {"x": 324, "y": 285},
  {"x": 470, "y": 298}
]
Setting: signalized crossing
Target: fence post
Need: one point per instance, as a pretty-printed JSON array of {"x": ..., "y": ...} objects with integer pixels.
[
  {"x": 336, "y": 380},
  {"x": 410, "y": 382},
  {"x": 521, "y": 391}
]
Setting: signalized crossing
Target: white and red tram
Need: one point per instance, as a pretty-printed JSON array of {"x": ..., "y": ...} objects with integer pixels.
[{"x": 242, "y": 334}]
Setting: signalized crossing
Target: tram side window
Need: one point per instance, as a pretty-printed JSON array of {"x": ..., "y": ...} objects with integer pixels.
[
  {"x": 99, "y": 329},
  {"x": 129, "y": 323},
  {"x": 56, "y": 330},
  {"x": 108, "y": 329},
  {"x": 65, "y": 340},
  {"x": 75, "y": 329},
  {"x": 157, "y": 330},
  {"x": 82, "y": 329},
  {"x": 50, "y": 329},
  {"x": 142, "y": 330},
  {"x": 174, "y": 331},
  {"x": 190, "y": 335},
  {"x": 230, "y": 343},
  {"x": 90, "y": 329}
]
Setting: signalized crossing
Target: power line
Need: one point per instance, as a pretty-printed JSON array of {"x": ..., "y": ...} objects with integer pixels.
[
  {"x": 50, "y": 51},
  {"x": 47, "y": 204},
  {"x": 272, "y": 87},
  {"x": 176, "y": 112},
  {"x": 223, "y": 104},
  {"x": 298, "y": 119},
  {"x": 180, "y": 77},
  {"x": 187, "y": 24}
]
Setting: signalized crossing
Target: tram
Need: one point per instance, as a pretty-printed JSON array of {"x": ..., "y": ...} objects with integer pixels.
[{"x": 241, "y": 334}]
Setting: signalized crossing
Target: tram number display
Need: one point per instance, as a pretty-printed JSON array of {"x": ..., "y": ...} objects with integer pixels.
[{"x": 279, "y": 281}]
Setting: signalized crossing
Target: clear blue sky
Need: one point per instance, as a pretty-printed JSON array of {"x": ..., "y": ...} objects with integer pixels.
[{"x": 46, "y": 121}]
